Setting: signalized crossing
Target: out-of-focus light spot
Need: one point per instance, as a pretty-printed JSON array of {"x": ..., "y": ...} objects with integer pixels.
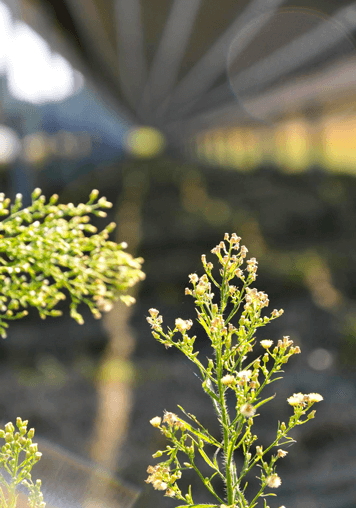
[
  {"x": 35, "y": 148},
  {"x": 320, "y": 359},
  {"x": 9, "y": 145},
  {"x": 145, "y": 142},
  {"x": 292, "y": 145},
  {"x": 34, "y": 73},
  {"x": 5, "y": 28},
  {"x": 318, "y": 279},
  {"x": 39, "y": 146},
  {"x": 338, "y": 144},
  {"x": 67, "y": 145}
]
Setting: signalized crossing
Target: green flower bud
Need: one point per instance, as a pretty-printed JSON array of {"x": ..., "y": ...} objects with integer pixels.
[
  {"x": 33, "y": 447},
  {"x": 36, "y": 193},
  {"x": 94, "y": 194},
  {"x": 9, "y": 428}
]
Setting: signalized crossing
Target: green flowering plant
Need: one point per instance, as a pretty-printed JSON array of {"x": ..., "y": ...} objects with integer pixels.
[
  {"x": 46, "y": 249},
  {"x": 17, "y": 457},
  {"x": 230, "y": 369}
]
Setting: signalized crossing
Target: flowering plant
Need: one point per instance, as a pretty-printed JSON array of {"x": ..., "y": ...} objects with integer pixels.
[
  {"x": 17, "y": 457},
  {"x": 227, "y": 372},
  {"x": 46, "y": 249}
]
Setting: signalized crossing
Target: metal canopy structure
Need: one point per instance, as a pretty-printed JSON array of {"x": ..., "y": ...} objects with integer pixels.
[{"x": 165, "y": 62}]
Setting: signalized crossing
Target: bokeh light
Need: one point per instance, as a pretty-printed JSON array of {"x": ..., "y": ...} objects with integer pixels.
[
  {"x": 34, "y": 72},
  {"x": 9, "y": 145},
  {"x": 320, "y": 359},
  {"x": 145, "y": 142}
]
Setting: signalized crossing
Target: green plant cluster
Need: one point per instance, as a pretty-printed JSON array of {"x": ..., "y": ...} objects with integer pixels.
[
  {"x": 232, "y": 368},
  {"x": 49, "y": 249},
  {"x": 17, "y": 457}
]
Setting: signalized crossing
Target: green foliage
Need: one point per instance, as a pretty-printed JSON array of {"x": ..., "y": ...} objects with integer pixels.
[
  {"x": 48, "y": 249},
  {"x": 232, "y": 347},
  {"x": 17, "y": 457}
]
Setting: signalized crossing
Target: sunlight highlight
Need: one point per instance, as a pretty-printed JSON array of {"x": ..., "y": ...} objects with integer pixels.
[{"x": 34, "y": 73}]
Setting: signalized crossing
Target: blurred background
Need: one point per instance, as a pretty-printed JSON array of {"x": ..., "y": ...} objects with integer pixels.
[{"x": 195, "y": 118}]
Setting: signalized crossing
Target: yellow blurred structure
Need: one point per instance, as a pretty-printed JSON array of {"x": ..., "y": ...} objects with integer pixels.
[
  {"x": 145, "y": 142},
  {"x": 293, "y": 145}
]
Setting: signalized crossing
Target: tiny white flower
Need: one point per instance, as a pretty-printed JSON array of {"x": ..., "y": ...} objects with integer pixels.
[
  {"x": 296, "y": 399},
  {"x": 159, "y": 485},
  {"x": 228, "y": 380},
  {"x": 266, "y": 343},
  {"x": 247, "y": 410},
  {"x": 281, "y": 453},
  {"x": 315, "y": 397},
  {"x": 193, "y": 277},
  {"x": 183, "y": 325},
  {"x": 273, "y": 481},
  {"x": 156, "y": 421},
  {"x": 244, "y": 375}
]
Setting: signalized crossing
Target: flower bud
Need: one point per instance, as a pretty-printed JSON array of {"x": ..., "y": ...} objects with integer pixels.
[
  {"x": 33, "y": 448},
  {"x": 9, "y": 427},
  {"x": 94, "y": 194},
  {"x": 200, "y": 289},
  {"x": 36, "y": 193}
]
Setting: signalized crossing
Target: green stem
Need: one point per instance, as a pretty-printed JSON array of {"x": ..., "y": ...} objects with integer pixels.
[
  {"x": 225, "y": 421},
  {"x": 210, "y": 489},
  {"x": 3, "y": 500},
  {"x": 237, "y": 305},
  {"x": 256, "y": 497}
]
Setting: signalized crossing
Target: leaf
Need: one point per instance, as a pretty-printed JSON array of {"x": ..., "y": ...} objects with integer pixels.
[
  {"x": 204, "y": 433},
  {"x": 264, "y": 401},
  {"x": 206, "y": 458}
]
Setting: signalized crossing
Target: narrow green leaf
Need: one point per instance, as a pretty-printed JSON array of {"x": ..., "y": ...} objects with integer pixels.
[{"x": 206, "y": 458}]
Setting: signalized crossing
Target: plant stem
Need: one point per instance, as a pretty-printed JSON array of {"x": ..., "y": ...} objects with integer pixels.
[{"x": 225, "y": 422}]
